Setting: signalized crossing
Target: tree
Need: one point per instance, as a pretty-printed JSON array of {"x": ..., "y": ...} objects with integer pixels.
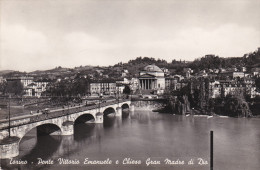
[
  {"x": 257, "y": 83},
  {"x": 14, "y": 87},
  {"x": 236, "y": 106},
  {"x": 127, "y": 90},
  {"x": 3, "y": 86}
]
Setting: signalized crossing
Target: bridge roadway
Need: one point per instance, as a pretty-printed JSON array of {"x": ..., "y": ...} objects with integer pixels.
[{"x": 56, "y": 122}]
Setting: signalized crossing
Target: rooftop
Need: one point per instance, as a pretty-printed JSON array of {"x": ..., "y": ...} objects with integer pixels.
[{"x": 152, "y": 68}]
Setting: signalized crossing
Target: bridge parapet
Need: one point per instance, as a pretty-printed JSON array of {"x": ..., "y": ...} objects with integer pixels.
[{"x": 57, "y": 113}]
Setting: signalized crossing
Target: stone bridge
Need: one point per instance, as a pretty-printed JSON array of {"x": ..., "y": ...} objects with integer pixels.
[{"x": 56, "y": 122}]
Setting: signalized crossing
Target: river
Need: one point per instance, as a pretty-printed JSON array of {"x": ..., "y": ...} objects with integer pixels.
[{"x": 144, "y": 137}]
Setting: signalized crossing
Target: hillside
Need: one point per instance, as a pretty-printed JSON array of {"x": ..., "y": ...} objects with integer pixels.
[
  {"x": 3, "y": 72},
  {"x": 250, "y": 60}
]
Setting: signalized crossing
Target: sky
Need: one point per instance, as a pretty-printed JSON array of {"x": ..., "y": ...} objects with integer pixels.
[{"x": 43, "y": 34}]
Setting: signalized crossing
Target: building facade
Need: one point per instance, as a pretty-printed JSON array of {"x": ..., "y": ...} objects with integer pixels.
[
  {"x": 152, "y": 78},
  {"x": 106, "y": 88},
  {"x": 31, "y": 88},
  {"x": 24, "y": 80}
]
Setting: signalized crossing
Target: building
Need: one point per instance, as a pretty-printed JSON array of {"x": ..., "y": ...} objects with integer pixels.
[
  {"x": 238, "y": 74},
  {"x": 134, "y": 84},
  {"x": 33, "y": 90},
  {"x": 36, "y": 88},
  {"x": 31, "y": 87},
  {"x": 95, "y": 89},
  {"x": 222, "y": 88},
  {"x": 119, "y": 88},
  {"x": 125, "y": 73},
  {"x": 24, "y": 80},
  {"x": 1, "y": 79},
  {"x": 169, "y": 81},
  {"x": 187, "y": 72},
  {"x": 152, "y": 78},
  {"x": 108, "y": 88},
  {"x": 105, "y": 88},
  {"x": 215, "y": 89}
]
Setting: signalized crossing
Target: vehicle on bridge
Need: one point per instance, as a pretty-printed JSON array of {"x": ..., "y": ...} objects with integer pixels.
[
  {"x": 46, "y": 111},
  {"x": 149, "y": 96}
]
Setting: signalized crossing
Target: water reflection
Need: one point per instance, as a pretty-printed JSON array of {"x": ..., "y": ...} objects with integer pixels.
[
  {"x": 83, "y": 131},
  {"x": 42, "y": 149},
  {"x": 125, "y": 114},
  {"x": 109, "y": 121}
]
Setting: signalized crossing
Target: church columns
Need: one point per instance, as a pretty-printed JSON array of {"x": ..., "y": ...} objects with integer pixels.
[{"x": 147, "y": 84}]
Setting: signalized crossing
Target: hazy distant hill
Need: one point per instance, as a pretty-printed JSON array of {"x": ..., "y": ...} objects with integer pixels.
[
  {"x": 62, "y": 70},
  {"x": 2, "y": 72},
  {"x": 250, "y": 60}
]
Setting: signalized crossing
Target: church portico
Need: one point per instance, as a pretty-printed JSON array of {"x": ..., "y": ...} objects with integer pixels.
[
  {"x": 147, "y": 83},
  {"x": 152, "y": 78}
]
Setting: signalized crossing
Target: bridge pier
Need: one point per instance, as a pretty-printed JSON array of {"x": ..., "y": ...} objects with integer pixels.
[
  {"x": 132, "y": 108},
  {"x": 67, "y": 128},
  {"x": 99, "y": 117},
  {"x": 9, "y": 147},
  {"x": 119, "y": 111}
]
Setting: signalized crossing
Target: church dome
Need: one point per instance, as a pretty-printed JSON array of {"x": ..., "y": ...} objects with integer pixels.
[{"x": 153, "y": 68}]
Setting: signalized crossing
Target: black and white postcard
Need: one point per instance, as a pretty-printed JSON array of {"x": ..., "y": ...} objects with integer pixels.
[{"x": 130, "y": 84}]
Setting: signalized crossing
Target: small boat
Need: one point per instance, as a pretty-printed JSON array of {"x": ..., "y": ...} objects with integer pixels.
[
  {"x": 200, "y": 115},
  {"x": 209, "y": 117},
  {"x": 223, "y": 116}
]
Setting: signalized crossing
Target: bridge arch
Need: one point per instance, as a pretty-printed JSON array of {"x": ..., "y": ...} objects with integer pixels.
[
  {"x": 42, "y": 129},
  {"x": 125, "y": 106},
  {"x": 85, "y": 118},
  {"x": 108, "y": 111}
]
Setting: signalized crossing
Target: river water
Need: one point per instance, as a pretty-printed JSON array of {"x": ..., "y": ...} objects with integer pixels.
[{"x": 143, "y": 137}]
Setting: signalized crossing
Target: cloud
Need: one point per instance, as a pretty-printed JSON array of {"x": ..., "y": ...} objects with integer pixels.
[
  {"x": 25, "y": 49},
  {"x": 21, "y": 46},
  {"x": 78, "y": 42},
  {"x": 85, "y": 49},
  {"x": 45, "y": 34},
  {"x": 226, "y": 41}
]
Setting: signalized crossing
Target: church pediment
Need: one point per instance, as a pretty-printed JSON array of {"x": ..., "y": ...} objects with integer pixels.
[{"x": 146, "y": 76}]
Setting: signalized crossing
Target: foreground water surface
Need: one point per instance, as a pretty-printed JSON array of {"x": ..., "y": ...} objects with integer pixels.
[{"x": 147, "y": 140}]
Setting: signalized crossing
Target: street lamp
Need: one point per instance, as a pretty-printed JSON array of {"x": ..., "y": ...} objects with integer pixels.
[
  {"x": 131, "y": 92},
  {"x": 100, "y": 98},
  {"x": 9, "y": 112},
  {"x": 118, "y": 96},
  {"x": 68, "y": 110}
]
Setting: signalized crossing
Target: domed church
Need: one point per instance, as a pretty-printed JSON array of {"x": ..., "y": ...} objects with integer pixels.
[{"x": 152, "y": 78}]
